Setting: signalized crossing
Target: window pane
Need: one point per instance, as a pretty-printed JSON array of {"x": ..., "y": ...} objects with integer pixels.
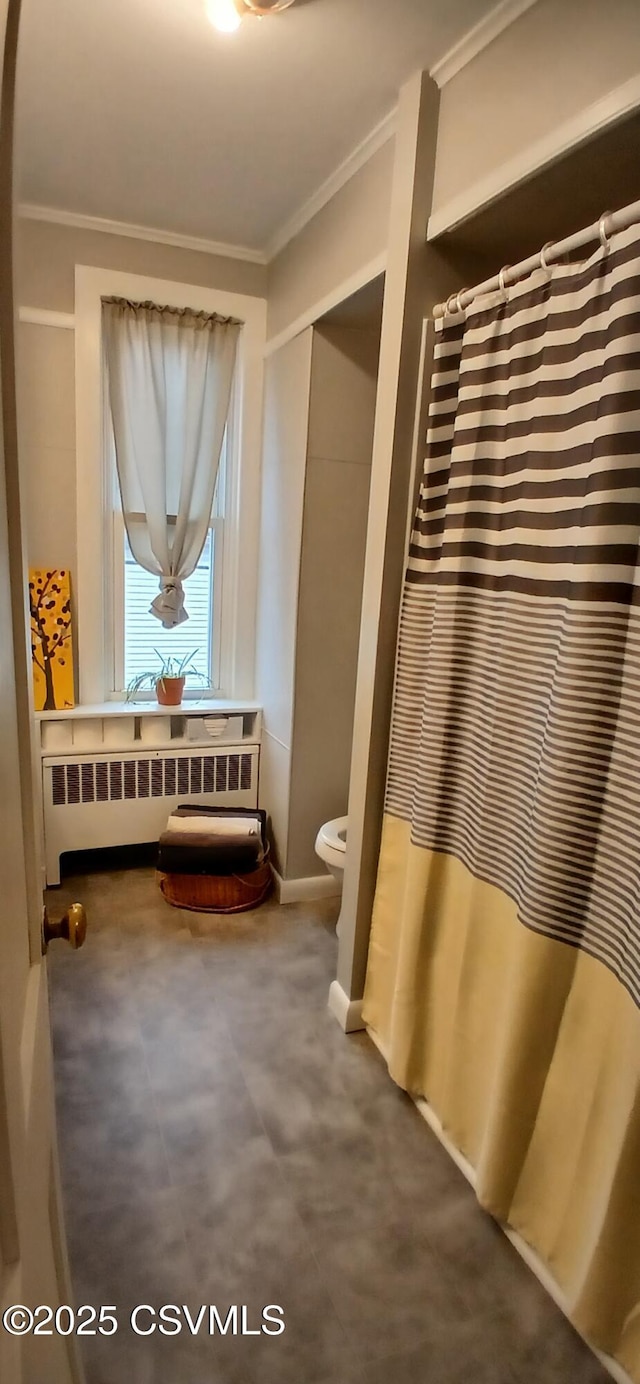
[{"x": 143, "y": 634}]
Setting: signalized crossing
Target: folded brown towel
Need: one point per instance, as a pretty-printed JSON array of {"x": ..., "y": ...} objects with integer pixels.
[{"x": 212, "y": 841}]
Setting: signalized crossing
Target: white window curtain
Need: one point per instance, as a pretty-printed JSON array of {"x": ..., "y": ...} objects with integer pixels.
[{"x": 170, "y": 373}]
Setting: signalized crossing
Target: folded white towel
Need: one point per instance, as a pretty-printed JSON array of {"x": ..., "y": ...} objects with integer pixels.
[{"x": 201, "y": 823}]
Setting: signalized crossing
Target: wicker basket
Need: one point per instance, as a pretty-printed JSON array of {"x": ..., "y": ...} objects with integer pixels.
[{"x": 219, "y": 893}]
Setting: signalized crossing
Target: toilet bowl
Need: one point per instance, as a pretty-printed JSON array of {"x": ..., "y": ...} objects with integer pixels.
[{"x": 331, "y": 845}]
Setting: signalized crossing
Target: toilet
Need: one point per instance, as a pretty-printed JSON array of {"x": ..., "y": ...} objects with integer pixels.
[{"x": 331, "y": 846}]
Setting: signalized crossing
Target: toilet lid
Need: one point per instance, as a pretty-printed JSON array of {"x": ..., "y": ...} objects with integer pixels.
[{"x": 335, "y": 833}]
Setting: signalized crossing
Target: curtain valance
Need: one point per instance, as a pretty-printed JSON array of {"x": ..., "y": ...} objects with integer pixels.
[{"x": 155, "y": 312}]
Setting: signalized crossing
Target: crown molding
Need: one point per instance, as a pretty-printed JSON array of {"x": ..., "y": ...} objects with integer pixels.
[
  {"x": 31, "y": 212},
  {"x": 379, "y": 135},
  {"x": 473, "y": 42},
  {"x": 578, "y": 130}
]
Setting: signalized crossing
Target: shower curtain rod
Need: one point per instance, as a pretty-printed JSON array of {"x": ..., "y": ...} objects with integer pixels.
[{"x": 602, "y": 229}]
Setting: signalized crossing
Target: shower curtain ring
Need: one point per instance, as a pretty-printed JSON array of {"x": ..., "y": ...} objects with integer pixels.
[
  {"x": 605, "y": 240},
  {"x": 544, "y": 263},
  {"x": 459, "y": 297},
  {"x": 501, "y": 280},
  {"x": 450, "y": 305}
]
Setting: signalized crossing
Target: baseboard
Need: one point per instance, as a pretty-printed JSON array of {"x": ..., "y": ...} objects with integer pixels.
[
  {"x": 347, "y": 1012},
  {"x": 525, "y": 1251},
  {"x": 302, "y": 890}
]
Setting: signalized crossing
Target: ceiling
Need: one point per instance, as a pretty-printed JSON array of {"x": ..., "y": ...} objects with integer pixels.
[{"x": 139, "y": 111}]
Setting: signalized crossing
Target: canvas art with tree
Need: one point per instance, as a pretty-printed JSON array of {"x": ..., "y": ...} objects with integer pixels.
[{"x": 51, "y": 646}]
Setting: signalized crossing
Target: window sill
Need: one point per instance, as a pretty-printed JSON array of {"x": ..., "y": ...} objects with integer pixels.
[{"x": 207, "y": 706}]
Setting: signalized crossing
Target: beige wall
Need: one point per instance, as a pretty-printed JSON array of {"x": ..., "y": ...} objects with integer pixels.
[
  {"x": 46, "y": 256},
  {"x": 557, "y": 59},
  {"x": 347, "y": 233},
  {"x": 318, "y": 430},
  {"x": 343, "y": 393},
  {"x": 286, "y": 421},
  {"x": 47, "y": 442}
]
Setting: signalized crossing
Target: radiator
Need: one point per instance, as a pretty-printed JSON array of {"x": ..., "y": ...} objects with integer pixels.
[{"x": 93, "y": 800}]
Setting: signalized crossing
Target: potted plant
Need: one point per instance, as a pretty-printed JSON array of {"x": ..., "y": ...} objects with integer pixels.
[{"x": 168, "y": 679}]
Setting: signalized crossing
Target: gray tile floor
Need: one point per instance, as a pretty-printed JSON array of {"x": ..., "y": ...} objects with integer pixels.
[{"x": 224, "y": 1143}]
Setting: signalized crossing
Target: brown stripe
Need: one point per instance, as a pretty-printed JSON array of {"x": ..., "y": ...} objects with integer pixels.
[
  {"x": 602, "y": 447},
  {"x": 596, "y": 342},
  {"x": 562, "y": 487},
  {"x": 596, "y": 554},
  {"x": 563, "y": 388},
  {"x": 527, "y": 608},
  {"x": 600, "y": 406},
  {"x": 551, "y": 319},
  {"x": 607, "y": 514},
  {"x": 620, "y": 593}
]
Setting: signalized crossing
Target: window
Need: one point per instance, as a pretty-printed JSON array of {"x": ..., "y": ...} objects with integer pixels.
[
  {"x": 137, "y": 636},
  {"x": 143, "y": 638},
  {"x": 98, "y": 583},
  {"x": 168, "y": 374}
]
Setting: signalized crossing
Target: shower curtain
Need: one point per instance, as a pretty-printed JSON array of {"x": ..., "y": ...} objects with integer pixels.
[{"x": 503, "y": 981}]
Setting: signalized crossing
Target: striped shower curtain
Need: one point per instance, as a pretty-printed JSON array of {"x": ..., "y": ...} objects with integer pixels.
[{"x": 503, "y": 981}]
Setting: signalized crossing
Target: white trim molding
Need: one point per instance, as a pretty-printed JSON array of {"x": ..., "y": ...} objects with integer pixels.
[
  {"x": 32, "y": 212},
  {"x": 480, "y": 36},
  {"x": 304, "y": 890},
  {"x": 578, "y": 130},
  {"x": 363, "y": 276},
  {"x": 379, "y": 135},
  {"x": 43, "y": 317},
  {"x": 347, "y": 1012}
]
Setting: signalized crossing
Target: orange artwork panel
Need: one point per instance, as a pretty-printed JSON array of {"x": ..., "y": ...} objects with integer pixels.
[{"x": 51, "y": 646}]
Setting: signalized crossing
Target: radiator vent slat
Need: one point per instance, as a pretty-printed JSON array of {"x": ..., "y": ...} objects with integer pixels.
[
  {"x": 156, "y": 778},
  {"x": 108, "y": 788},
  {"x": 179, "y": 776},
  {"x": 88, "y": 785},
  {"x": 130, "y": 778},
  {"x": 73, "y": 783}
]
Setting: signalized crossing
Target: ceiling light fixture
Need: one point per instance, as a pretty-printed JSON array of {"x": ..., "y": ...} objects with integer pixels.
[{"x": 227, "y": 15}]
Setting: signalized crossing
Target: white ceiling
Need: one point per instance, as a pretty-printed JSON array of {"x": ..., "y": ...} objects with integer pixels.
[{"x": 139, "y": 111}]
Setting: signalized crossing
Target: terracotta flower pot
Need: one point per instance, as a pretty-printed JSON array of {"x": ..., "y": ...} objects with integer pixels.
[{"x": 169, "y": 691}]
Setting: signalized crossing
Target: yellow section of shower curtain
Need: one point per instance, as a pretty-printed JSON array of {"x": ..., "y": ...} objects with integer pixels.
[{"x": 528, "y": 1051}]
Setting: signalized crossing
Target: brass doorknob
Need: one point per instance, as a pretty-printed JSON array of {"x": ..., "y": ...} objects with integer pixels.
[{"x": 72, "y": 927}]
